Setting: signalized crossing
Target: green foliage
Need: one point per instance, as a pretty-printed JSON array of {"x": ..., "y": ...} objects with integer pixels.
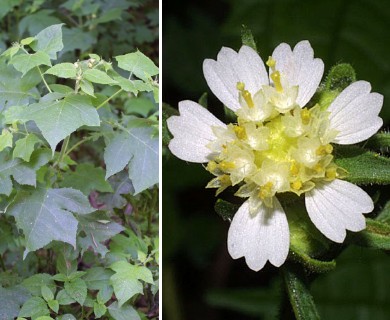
[
  {"x": 126, "y": 280},
  {"x": 339, "y": 77},
  {"x": 45, "y": 215},
  {"x": 299, "y": 294},
  {"x": 363, "y": 166},
  {"x": 86, "y": 178},
  {"x": 138, "y": 64},
  {"x": 247, "y": 38},
  {"x": 63, "y": 104},
  {"x": 139, "y": 149}
]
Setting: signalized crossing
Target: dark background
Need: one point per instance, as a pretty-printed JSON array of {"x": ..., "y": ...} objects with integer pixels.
[{"x": 200, "y": 280}]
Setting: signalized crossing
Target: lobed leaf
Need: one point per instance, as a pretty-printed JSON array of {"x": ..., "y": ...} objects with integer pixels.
[
  {"x": 86, "y": 178},
  {"x": 96, "y": 232},
  {"x": 45, "y": 215},
  {"x": 138, "y": 64},
  {"x": 137, "y": 148},
  {"x": 25, "y": 62},
  {"x": 97, "y": 76},
  {"x": 12, "y": 299},
  {"x": 63, "y": 70},
  {"x": 121, "y": 185},
  {"x": 23, "y": 172},
  {"x": 18, "y": 91},
  {"x": 49, "y": 40},
  {"x": 133, "y": 86},
  {"x": 25, "y": 147},
  {"x": 58, "y": 119}
]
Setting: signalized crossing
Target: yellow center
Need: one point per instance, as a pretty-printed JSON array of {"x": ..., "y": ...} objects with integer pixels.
[{"x": 288, "y": 151}]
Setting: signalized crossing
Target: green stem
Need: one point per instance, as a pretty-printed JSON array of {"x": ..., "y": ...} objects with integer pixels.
[
  {"x": 76, "y": 145},
  {"x": 108, "y": 99},
  {"x": 298, "y": 292},
  {"x": 63, "y": 151},
  {"x": 117, "y": 125},
  {"x": 40, "y": 72},
  {"x": 44, "y": 81}
]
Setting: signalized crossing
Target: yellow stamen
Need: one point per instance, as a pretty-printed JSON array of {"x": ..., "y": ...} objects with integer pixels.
[
  {"x": 305, "y": 116},
  {"x": 318, "y": 168},
  {"x": 296, "y": 185},
  {"x": 240, "y": 132},
  {"x": 331, "y": 173},
  {"x": 240, "y": 86},
  {"x": 266, "y": 190},
  {"x": 294, "y": 169},
  {"x": 329, "y": 148},
  {"x": 271, "y": 62},
  {"x": 226, "y": 165},
  {"x": 245, "y": 94},
  {"x": 275, "y": 76},
  {"x": 248, "y": 98},
  {"x": 323, "y": 150}
]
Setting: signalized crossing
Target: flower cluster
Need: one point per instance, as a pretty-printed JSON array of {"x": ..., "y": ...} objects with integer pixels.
[{"x": 281, "y": 142}]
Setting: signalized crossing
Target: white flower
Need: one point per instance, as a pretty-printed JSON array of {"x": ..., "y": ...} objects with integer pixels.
[{"x": 278, "y": 145}]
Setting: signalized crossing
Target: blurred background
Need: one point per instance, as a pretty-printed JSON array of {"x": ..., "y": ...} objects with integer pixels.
[{"x": 200, "y": 280}]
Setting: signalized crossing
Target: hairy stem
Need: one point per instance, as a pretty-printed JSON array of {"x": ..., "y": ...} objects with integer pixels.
[{"x": 298, "y": 292}]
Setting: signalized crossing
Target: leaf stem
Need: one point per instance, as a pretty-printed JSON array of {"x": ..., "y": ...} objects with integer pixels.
[
  {"x": 108, "y": 99},
  {"x": 63, "y": 151},
  {"x": 76, "y": 145},
  {"x": 44, "y": 81},
  {"x": 40, "y": 72}
]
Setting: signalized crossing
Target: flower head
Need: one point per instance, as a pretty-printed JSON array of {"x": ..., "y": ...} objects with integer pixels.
[{"x": 280, "y": 143}]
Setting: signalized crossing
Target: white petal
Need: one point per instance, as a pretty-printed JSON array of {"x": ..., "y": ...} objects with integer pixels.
[
  {"x": 261, "y": 237},
  {"x": 337, "y": 206},
  {"x": 354, "y": 113},
  {"x": 300, "y": 68},
  {"x": 231, "y": 67},
  {"x": 192, "y": 132}
]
